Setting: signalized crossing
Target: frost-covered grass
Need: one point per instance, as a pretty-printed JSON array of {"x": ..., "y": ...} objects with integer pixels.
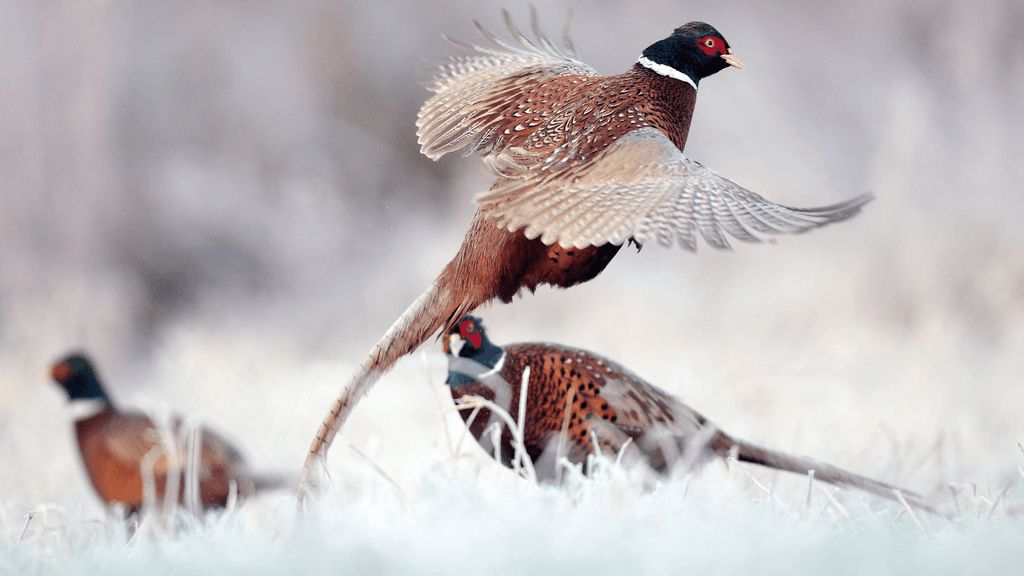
[
  {"x": 451, "y": 510},
  {"x": 921, "y": 410},
  {"x": 456, "y": 522}
]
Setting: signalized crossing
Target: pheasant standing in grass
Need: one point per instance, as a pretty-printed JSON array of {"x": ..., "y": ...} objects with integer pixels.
[
  {"x": 118, "y": 448},
  {"x": 582, "y": 164},
  {"x": 576, "y": 399}
]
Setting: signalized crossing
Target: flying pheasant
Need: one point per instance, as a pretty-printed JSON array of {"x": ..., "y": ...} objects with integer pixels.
[
  {"x": 582, "y": 164},
  {"x": 576, "y": 399},
  {"x": 120, "y": 448}
]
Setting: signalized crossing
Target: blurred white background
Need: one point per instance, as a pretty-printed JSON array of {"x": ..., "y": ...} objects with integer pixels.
[{"x": 224, "y": 204}]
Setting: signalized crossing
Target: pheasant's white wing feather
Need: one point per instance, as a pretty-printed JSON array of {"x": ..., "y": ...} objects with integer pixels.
[{"x": 642, "y": 187}]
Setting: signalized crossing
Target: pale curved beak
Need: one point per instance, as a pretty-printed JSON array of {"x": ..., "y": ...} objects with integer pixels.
[
  {"x": 452, "y": 344},
  {"x": 732, "y": 59}
]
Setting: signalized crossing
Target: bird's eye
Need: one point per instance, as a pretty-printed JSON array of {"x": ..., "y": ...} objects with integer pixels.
[
  {"x": 470, "y": 328},
  {"x": 710, "y": 42}
]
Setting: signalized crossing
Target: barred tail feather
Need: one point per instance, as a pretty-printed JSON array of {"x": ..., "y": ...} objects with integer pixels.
[
  {"x": 412, "y": 328},
  {"x": 772, "y": 458}
]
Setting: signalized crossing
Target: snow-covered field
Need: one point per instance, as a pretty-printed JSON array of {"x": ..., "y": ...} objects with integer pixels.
[
  {"x": 223, "y": 202},
  {"x": 456, "y": 522}
]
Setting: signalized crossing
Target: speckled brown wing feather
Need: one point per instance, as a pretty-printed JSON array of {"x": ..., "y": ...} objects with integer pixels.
[
  {"x": 642, "y": 187},
  {"x": 472, "y": 107},
  {"x": 610, "y": 406},
  {"x": 128, "y": 438}
]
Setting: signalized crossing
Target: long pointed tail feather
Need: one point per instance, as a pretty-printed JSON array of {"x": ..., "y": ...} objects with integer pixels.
[
  {"x": 755, "y": 453},
  {"x": 412, "y": 328}
]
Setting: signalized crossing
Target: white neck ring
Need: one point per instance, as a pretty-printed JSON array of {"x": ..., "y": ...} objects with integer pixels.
[{"x": 665, "y": 70}]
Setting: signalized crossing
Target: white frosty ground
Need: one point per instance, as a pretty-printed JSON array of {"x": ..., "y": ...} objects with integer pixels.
[
  {"x": 466, "y": 515},
  {"x": 459, "y": 524}
]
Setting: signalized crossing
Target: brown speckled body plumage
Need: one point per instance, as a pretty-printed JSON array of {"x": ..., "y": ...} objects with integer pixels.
[
  {"x": 495, "y": 263},
  {"x": 115, "y": 446},
  {"x": 601, "y": 408},
  {"x": 582, "y": 113},
  {"x": 582, "y": 164},
  {"x": 120, "y": 449},
  {"x": 577, "y": 400}
]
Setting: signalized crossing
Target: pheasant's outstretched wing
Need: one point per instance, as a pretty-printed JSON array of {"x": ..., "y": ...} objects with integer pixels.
[
  {"x": 473, "y": 90},
  {"x": 642, "y": 187}
]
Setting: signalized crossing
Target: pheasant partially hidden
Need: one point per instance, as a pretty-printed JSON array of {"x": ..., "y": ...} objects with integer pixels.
[
  {"x": 120, "y": 449},
  {"x": 582, "y": 164},
  {"x": 576, "y": 400}
]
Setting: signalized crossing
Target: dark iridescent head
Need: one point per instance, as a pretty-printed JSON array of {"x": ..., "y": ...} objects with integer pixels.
[
  {"x": 695, "y": 50},
  {"x": 76, "y": 376},
  {"x": 475, "y": 345}
]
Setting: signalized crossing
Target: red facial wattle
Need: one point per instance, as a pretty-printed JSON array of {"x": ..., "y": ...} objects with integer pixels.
[
  {"x": 712, "y": 45},
  {"x": 62, "y": 372},
  {"x": 469, "y": 333}
]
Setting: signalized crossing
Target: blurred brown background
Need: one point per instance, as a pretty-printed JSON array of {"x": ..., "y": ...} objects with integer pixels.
[{"x": 224, "y": 203}]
